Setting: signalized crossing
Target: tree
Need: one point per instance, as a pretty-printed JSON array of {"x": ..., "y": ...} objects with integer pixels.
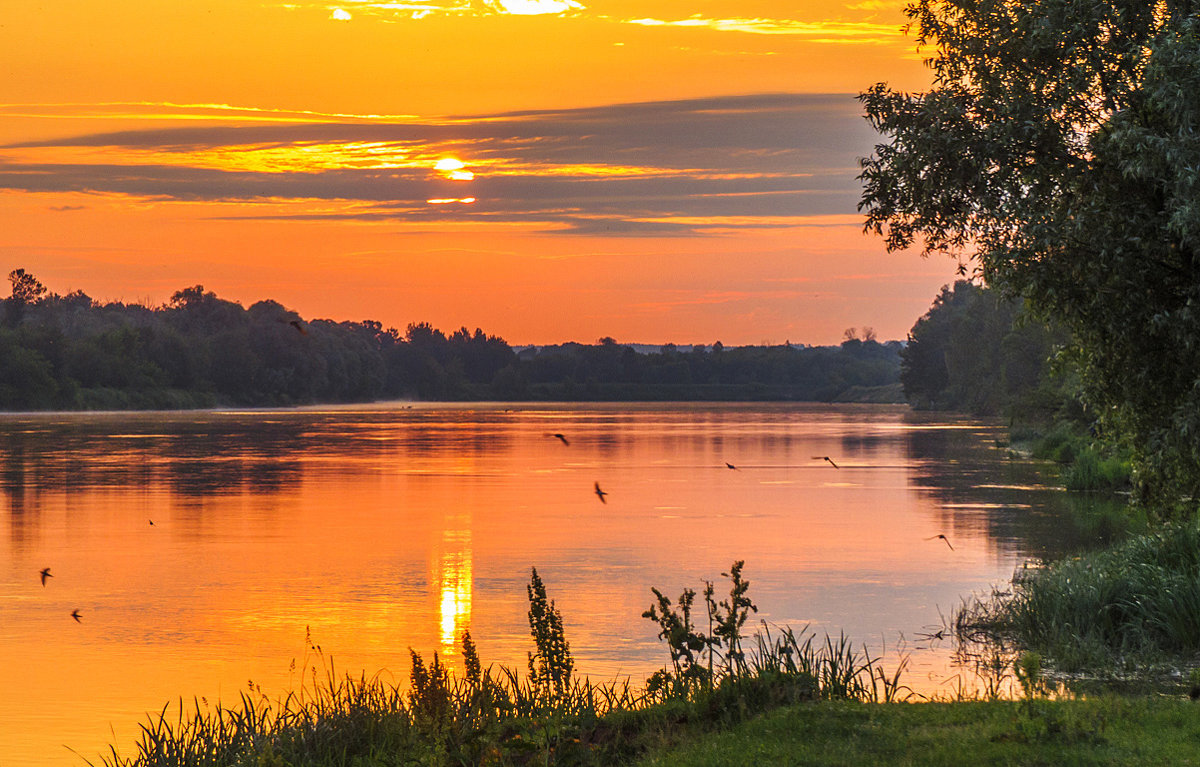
[
  {"x": 1059, "y": 148},
  {"x": 26, "y": 290}
]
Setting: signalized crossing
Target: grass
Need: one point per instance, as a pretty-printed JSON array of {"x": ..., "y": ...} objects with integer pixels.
[
  {"x": 1092, "y": 472},
  {"x": 1087, "y": 467},
  {"x": 729, "y": 699},
  {"x": 1095, "y": 731},
  {"x": 1122, "y": 608},
  {"x": 543, "y": 715}
]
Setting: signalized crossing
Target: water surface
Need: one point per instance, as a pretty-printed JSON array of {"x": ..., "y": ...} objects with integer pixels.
[{"x": 201, "y": 549}]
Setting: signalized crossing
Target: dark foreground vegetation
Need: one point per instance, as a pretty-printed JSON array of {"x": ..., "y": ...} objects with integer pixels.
[
  {"x": 544, "y": 714},
  {"x": 198, "y": 350},
  {"x": 725, "y": 699}
]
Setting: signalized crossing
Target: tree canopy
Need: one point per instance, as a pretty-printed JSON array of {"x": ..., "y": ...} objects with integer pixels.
[
  {"x": 1059, "y": 147},
  {"x": 977, "y": 352},
  {"x": 200, "y": 350}
]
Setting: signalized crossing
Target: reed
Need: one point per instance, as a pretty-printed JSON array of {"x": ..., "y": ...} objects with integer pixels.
[
  {"x": 502, "y": 716},
  {"x": 1123, "y": 608}
]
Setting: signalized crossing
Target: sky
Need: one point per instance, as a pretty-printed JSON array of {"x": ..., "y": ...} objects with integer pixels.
[{"x": 546, "y": 170}]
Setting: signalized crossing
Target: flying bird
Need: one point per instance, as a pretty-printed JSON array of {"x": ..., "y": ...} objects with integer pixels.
[
  {"x": 46, "y": 574},
  {"x": 729, "y": 465},
  {"x": 561, "y": 438},
  {"x": 152, "y": 523},
  {"x": 600, "y": 493},
  {"x": 826, "y": 458},
  {"x": 944, "y": 538},
  {"x": 296, "y": 324},
  {"x": 75, "y": 615}
]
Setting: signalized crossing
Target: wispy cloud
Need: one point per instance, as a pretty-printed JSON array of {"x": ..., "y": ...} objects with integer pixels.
[
  {"x": 665, "y": 168},
  {"x": 860, "y": 31},
  {"x": 419, "y": 9},
  {"x": 818, "y": 31},
  {"x": 171, "y": 111},
  {"x": 536, "y": 7}
]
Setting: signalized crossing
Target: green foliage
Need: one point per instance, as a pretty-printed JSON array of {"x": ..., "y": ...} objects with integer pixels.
[
  {"x": 729, "y": 617},
  {"x": 693, "y": 652},
  {"x": 1127, "y": 606},
  {"x": 1091, "y": 472},
  {"x": 551, "y": 665},
  {"x": 1059, "y": 146},
  {"x": 684, "y": 642},
  {"x": 976, "y": 352}
]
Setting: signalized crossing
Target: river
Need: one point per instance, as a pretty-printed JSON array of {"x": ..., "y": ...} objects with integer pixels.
[{"x": 201, "y": 549}]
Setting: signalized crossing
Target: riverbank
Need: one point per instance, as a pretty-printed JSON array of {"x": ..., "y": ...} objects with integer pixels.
[
  {"x": 1095, "y": 731},
  {"x": 725, "y": 699}
]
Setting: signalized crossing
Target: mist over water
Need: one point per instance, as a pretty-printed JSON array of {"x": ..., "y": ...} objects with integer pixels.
[{"x": 201, "y": 548}]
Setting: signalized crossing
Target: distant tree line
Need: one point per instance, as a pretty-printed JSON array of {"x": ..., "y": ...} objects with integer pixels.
[
  {"x": 198, "y": 350},
  {"x": 977, "y": 352}
]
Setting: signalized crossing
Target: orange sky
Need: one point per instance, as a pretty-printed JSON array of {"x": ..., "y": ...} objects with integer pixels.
[{"x": 656, "y": 172}]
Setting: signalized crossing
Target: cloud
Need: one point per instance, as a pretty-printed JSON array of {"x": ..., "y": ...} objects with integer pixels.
[
  {"x": 664, "y": 168},
  {"x": 535, "y": 7},
  {"x": 419, "y": 9},
  {"x": 861, "y": 32},
  {"x": 166, "y": 110}
]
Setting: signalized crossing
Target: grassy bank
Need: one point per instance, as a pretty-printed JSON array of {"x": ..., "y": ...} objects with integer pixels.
[
  {"x": 1119, "y": 610},
  {"x": 1101, "y": 731},
  {"x": 725, "y": 698},
  {"x": 544, "y": 714}
]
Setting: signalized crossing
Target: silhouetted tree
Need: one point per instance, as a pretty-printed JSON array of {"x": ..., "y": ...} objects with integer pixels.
[{"x": 26, "y": 290}]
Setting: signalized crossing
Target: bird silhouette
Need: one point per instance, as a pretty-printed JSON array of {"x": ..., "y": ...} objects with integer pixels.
[
  {"x": 46, "y": 574},
  {"x": 561, "y": 438},
  {"x": 600, "y": 493},
  {"x": 944, "y": 538},
  {"x": 75, "y": 615},
  {"x": 152, "y": 523},
  {"x": 826, "y": 458},
  {"x": 296, "y": 324},
  {"x": 729, "y": 465}
]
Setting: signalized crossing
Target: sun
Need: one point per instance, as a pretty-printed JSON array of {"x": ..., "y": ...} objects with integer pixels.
[{"x": 452, "y": 168}]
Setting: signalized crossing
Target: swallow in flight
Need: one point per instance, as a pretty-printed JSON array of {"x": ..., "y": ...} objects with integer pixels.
[
  {"x": 729, "y": 465},
  {"x": 561, "y": 438},
  {"x": 944, "y": 538},
  {"x": 296, "y": 324},
  {"x": 75, "y": 615},
  {"x": 600, "y": 493},
  {"x": 46, "y": 574},
  {"x": 826, "y": 458}
]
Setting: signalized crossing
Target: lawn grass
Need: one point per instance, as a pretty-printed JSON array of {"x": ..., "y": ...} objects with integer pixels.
[{"x": 1094, "y": 731}]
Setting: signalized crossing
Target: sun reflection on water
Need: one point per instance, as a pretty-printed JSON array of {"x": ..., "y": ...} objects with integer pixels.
[{"x": 453, "y": 580}]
